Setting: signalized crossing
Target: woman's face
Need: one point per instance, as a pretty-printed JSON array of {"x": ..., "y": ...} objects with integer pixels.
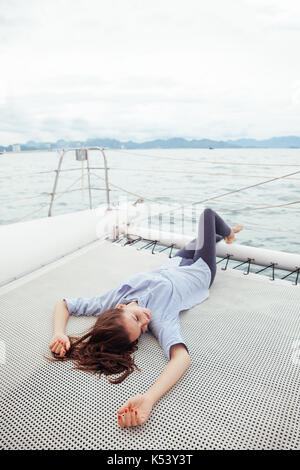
[{"x": 136, "y": 319}]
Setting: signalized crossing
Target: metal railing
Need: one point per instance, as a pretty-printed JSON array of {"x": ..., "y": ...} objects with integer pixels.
[
  {"x": 158, "y": 247},
  {"x": 90, "y": 172},
  {"x": 84, "y": 155}
]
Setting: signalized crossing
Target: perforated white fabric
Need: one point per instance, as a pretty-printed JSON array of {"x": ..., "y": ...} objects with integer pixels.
[{"x": 240, "y": 392}]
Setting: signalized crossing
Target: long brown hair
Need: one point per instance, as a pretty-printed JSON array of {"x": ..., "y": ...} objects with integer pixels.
[{"x": 104, "y": 349}]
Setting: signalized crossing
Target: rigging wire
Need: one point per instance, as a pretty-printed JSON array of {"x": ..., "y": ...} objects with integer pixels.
[
  {"x": 182, "y": 206},
  {"x": 34, "y": 212},
  {"x": 269, "y": 229},
  {"x": 191, "y": 172},
  {"x": 219, "y": 210},
  {"x": 233, "y": 191},
  {"x": 128, "y": 192},
  {"x": 3, "y": 201},
  {"x": 159, "y": 170},
  {"x": 260, "y": 208},
  {"x": 47, "y": 204},
  {"x": 188, "y": 201},
  {"x": 192, "y": 204},
  {"x": 247, "y": 187},
  {"x": 204, "y": 200},
  {"x": 17, "y": 175}
]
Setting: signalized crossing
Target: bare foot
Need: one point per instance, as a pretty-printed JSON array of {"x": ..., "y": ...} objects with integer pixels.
[{"x": 234, "y": 230}]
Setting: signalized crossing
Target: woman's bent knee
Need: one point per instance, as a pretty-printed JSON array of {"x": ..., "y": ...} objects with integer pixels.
[{"x": 208, "y": 210}]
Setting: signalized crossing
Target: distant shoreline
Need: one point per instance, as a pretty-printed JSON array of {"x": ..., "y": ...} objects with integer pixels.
[{"x": 285, "y": 142}]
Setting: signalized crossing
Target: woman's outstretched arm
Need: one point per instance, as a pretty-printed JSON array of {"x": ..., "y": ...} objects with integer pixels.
[
  {"x": 137, "y": 409},
  {"x": 60, "y": 343}
]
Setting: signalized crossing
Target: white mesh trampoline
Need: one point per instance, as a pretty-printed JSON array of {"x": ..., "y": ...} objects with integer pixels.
[{"x": 240, "y": 392}]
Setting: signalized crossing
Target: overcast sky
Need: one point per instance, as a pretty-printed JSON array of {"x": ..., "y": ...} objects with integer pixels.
[{"x": 145, "y": 69}]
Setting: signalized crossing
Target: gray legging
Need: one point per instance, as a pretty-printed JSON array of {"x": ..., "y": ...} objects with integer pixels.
[{"x": 211, "y": 229}]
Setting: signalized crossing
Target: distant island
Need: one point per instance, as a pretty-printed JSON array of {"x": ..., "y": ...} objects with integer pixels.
[{"x": 173, "y": 143}]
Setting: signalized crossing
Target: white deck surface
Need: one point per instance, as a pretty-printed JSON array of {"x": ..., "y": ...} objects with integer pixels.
[{"x": 240, "y": 392}]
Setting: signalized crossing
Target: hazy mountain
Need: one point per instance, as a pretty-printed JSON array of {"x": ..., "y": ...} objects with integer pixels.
[
  {"x": 176, "y": 142},
  {"x": 275, "y": 142}
]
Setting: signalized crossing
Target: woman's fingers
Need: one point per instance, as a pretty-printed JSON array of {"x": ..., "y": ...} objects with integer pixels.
[
  {"x": 57, "y": 349},
  {"x": 122, "y": 415},
  {"x": 128, "y": 414},
  {"x": 67, "y": 345},
  {"x": 60, "y": 342},
  {"x": 122, "y": 409},
  {"x": 128, "y": 418},
  {"x": 121, "y": 421},
  {"x": 55, "y": 346},
  {"x": 60, "y": 349},
  {"x": 133, "y": 414}
]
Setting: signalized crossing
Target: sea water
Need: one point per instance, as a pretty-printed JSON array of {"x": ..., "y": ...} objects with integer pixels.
[{"x": 169, "y": 176}]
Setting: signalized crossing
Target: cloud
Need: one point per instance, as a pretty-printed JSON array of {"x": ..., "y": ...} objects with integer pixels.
[
  {"x": 276, "y": 15},
  {"x": 141, "y": 70}
]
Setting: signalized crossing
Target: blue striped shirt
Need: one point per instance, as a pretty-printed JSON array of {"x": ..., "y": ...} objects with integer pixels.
[{"x": 166, "y": 291}]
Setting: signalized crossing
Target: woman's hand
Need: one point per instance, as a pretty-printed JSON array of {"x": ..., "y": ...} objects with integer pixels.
[
  {"x": 135, "y": 411},
  {"x": 59, "y": 344}
]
